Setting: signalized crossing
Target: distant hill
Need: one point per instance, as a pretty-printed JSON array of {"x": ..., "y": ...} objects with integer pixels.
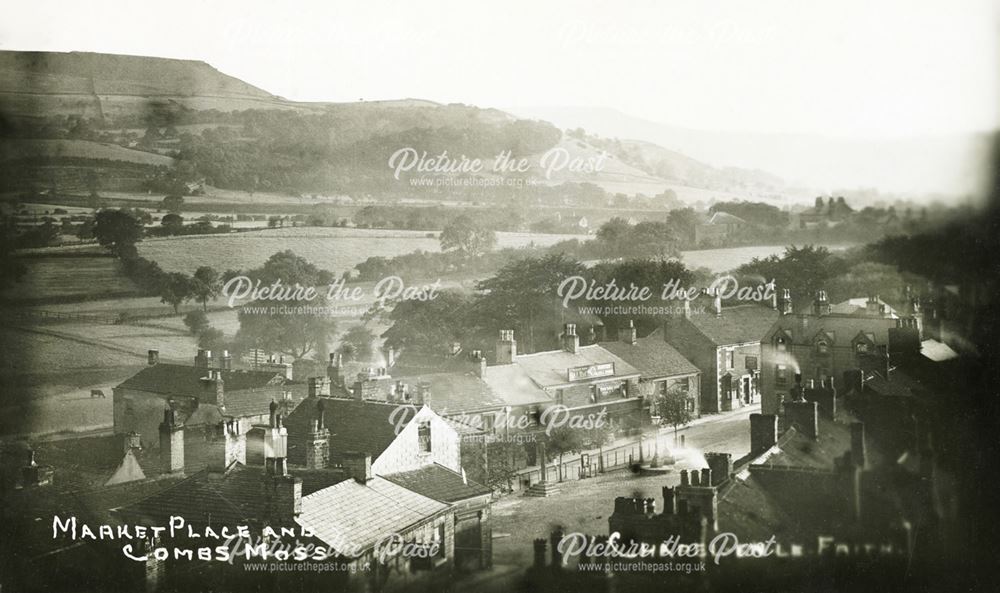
[
  {"x": 61, "y": 113},
  {"x": 953, "y": 164}
]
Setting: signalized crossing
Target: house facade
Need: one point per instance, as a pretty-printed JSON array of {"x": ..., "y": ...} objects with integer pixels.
[
  {"x": 725, "y": 345},
  {"x": 662, "y": 368},
  {"x": 819, "y": 345}
]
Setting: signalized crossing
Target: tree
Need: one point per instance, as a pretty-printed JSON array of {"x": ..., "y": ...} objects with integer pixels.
[
  {"x": 468, "y": 236},
  {"x": 175, "y": 289},
  {"x": 173, "y": 203},
  {"x": 295, "y": 334},
  {"x": 117, "y": 230},
  {"x": 803, "y": 270},
  {"x": 563, "y": 440},
  {"x": 207, "y": 285},
  {"x": 212, "y": 339},
  {"x": 674, "y": 407},
  {"x": 429, "y": 326},
  {"x": 196, "y": 322},
  {"x": 523, "y": 296},
  {"x": 357, "y": 343},
  {"x": 173, "y": 223},
  {"x": 285, "y": 329}
]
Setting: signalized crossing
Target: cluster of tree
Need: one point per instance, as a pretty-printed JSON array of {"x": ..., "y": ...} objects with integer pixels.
[
  {"x": 523, "y": 296},
  {"x": 435, "y": 217}
]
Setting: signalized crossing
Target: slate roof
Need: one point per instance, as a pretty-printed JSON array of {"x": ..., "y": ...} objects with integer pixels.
[
  {"x": 440, "y": 483},
  {"x": 653, "y": 356},
  {"x": 182, "y": 380},
  {"x": 548, "y": 369},
  {"x": 736, "y": 325},
  {"x": 363, "y": 427},
  {"x": 351, "y": 515},
  {"x": 457, "y": 392},
  {"x": 844, "y": 328},
  {"x": 234, "y": 497}
]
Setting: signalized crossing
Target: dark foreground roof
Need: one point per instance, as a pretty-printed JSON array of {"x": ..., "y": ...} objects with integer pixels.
[{"x": 440, "y": 483}]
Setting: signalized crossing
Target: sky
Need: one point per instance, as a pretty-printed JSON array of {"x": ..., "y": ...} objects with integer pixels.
[{"x": 845, "y": 68}]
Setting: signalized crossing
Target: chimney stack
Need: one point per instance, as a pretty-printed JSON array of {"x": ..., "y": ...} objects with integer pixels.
[
  {"x": 821, "y": 305},
  {"x": 203, "y": 359},
  {"x": 318, "y": 447},
  {"x": 234, "y": 445},
  {"x": 215, "y": 387},
  {"x": 424, "y": 393},
  {"x": 804, "y": 416},
  {"x": 153, "y": 357},
  {"x": 479, "y": 361},
  {"x": 226, "y": 361},
  {"x": 358, "y": 466},
  {"x": 319, "y": 387},
  {"x": 334, "y": 369},
  {"x": 717, "y": 302},
  {"x": 627, "y": 334},
  {"x": 282, "y": 492},
  {"x": 785, "y": 302},
  {"x": 171, "y": 443},
  {"x": 506, "y": 347},
  {"x": 763, "y": 432},
  {"x": 570, "y": 341},
  {"x": 721, "y": 465}
]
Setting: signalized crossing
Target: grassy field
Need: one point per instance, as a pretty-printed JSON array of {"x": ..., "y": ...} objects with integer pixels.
[
  {"x": 335, "y": 249},
  {"x": 64, "y": 277},
  {"x": 19, "y": 148}
]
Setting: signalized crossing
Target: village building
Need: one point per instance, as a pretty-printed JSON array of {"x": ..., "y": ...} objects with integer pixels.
[
  {"x": 719, "y": 227},
  {"x": 662, "y": 368},
  {"x": 724, "y": 343},
  {"x": 819, "y": 345}
]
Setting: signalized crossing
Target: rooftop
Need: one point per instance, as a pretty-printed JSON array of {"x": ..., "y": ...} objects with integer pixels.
[
  {"x": 358, "y": 426},
  {"x": 653, "y": 356},
  {"x": 736, "y": 325},
  {"x": 440, "y": 483},
  {"x": 840, "y": 329},
  {"x": 354, "y": 516},
  {"x": 548, "y": 369}
]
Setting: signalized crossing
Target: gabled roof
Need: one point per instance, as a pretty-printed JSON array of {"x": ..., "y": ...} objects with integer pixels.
[
  {"x": 548, "y": 369},
  {"x": 354, "y": 516},
  {"x": 440, "y": 483},
  {"x": 725, "y": 218},
  {"x": 653, "y": 356},
  {"x": 355, "y": 426},
  {"x": 844, "y": 328},
  {"x": 736, "y": 325},
  {"x": 185, "y": 381}
]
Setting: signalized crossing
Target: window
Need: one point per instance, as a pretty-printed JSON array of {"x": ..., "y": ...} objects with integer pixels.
[
  {"x": 781, "y": 375},
  {"x": 781, "y": 345},
  {"x": 822, "y": 347},
  {"x": 730, "y": 359},
  {"x": 439, "y": 540},
  {"x": 424, "y": 437},
  {"x": 751, "y": 363},
  {"x": 861, "y": 348},
  {"x": 682, "y": 384}
]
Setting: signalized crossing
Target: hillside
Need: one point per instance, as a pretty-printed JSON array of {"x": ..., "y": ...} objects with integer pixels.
[
  {"x": 165, "y": 124},
  {"x": 106, "y": 85}
]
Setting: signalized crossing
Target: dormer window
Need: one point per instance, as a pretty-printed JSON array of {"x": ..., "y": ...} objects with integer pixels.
[
  {"x": 822, "y": 347},
  {"x": 781, "y": 344},
  {"x": 861, "y": 348}
]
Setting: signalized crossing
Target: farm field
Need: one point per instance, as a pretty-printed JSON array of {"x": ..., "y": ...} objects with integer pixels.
[
  {"x": 729, "y": 258},
  {"x": 20, "y": 148},
  {"x": 335, "y": 249},
  {"x": 58, "y": 277}
]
